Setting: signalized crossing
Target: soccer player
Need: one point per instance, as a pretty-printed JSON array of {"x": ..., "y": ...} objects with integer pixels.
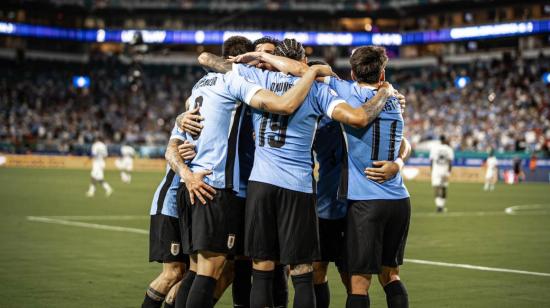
[
  {"x": 99, "y": 153},
  {"x": 211, "y": 175},
  {"x": 441, "y": 159},
  {"x": 126, "y": 163},
  {"x": 281, "y": 200},
  {"x": 164, "y": 233},
  {"x": 491, "y": 172},
  {"x": 379, "y": 211}
]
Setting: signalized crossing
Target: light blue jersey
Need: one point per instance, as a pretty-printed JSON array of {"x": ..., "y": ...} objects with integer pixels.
[
  {"x": 329, "y": 151},
  {"x": 164, "y": 200},
  {"x": 283, "y": 154},
  {"x": 380, "y": 140},
  {"x": 219, "y": 97}
]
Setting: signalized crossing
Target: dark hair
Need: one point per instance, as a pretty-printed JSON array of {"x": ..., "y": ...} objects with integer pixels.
[
  {"x": 290, "y": 48},
  {"x": 266, "y": 40},
  {"x": 367, "y": 63},
  {"x": 236, "y": 45},
  {"x": 443, "y": 139},
  {"x": 316, "y": 62}
]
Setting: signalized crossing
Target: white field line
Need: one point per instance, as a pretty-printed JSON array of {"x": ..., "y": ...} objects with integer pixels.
[
  {"x": 86, "y": 225},
  {"x": 102, "y": 217},
  {"x": 142, "y": 231},
  {"x": 524, "y": 209},
  {"x": 475, "y": 267}
]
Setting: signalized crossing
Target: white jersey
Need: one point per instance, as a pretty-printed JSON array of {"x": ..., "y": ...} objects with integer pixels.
[
  {"x": 127, "y": 161},
  {"x": 127, "y": 151},
  {"x": 99, "y": 153},
  {"x": 492, "y": 163},
  {"x": 442, "y": 157}
]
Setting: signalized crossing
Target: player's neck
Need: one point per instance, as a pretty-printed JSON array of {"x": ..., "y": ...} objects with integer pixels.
[{"x": 372, "y": 86}]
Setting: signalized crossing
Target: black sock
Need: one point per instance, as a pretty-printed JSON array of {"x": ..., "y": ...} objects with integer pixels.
[
  {"x": 396, "y": 295},
  {"x": 261, "y": 294},
  {"x": 151, "y": 303},
  {"x": 304, "y": 295},
  {"x": 358, "y": 301},
  {"x": 183, "y": 292},
  {"x": 242, "y": 283},
  {"x": 280, "y": 286},
  {"x": 201, "y": 294},
  {"x": 322, "y": 295}
]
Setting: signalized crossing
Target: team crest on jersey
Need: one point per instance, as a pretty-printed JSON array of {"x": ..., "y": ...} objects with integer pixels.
[
  {"x": 230, "y": 241},
  {"x": 175, "y": 249}
]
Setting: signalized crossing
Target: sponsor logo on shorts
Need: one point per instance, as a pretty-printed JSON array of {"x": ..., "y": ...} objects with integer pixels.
[
  {"x": 231, "y": 241},
  {"x": 175, "y": 249}
]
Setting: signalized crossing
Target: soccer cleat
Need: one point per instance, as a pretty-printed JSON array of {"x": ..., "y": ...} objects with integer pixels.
[
  {"x": 89, "y": 194},
  {"x": 441, "y": 209},
  {"x": 109, "y": 192}
]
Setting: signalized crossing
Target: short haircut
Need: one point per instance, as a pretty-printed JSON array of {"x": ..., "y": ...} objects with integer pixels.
[
  {"x": 266, "y": 40},
  {"x": 442, "y": 139},
  {"x": 236, "y": 45},
  {"x": 290, "y": 48},
  {"x": 367, "y": 63},
  {"x": 316, "y": 62}
]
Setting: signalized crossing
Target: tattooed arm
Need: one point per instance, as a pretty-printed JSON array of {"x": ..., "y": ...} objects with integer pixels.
[{"x": 215, "y": 63}]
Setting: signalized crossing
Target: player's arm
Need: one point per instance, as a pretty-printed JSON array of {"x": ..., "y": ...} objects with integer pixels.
[
  {"x": 282, "y": 64},
  {"x": 363, "y": 115},
  {"x": 193, "y": 181},
  {"x": 266, "y": 100},
  {"x": 214, "y": 63},
  {"x": 385, "y": 170}
]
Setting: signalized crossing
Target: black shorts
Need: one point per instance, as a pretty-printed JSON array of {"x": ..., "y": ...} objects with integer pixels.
[
  {"x": 281, "y": 225},
  {"x": 376, "y": 234},
  {"x": 216, "y": 226},
  {"x": 164, "y": 240},
  {"x": 331, "y": 237}
]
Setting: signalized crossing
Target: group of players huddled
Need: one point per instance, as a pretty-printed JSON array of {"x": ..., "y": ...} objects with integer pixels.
[{"x": 239, "y": 203}]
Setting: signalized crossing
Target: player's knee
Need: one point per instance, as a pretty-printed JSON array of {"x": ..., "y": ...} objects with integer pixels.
[
  {"x": 360, "y": 284},
  {"x": 172, "y": 273},
  {"x": 388, "y": 275},
  {"x": 320, "y": 272},
  {"x": 301, "y": 269},
  {"x": 263, "y": 265}
]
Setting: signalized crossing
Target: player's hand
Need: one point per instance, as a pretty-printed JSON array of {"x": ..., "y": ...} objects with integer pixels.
[
  {"x": 386, "y": 86},
  {"x": 402, "y": 101},
  {"x": 246, "y": 57},
  {"x": 382, "y": 171},
  {"x": 322, "y": 70},
  {"x": 187, "y": 150},
  {"x": 198, "y": 188},
  {"x": 190, "y": 122}
]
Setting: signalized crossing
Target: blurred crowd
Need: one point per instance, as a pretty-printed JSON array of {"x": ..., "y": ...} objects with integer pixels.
[
  {"x": 506, "y": 106},
  {"x": 42, "y": 111}
]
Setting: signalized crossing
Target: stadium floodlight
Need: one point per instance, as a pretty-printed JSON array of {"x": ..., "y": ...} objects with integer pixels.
[
  {"x": 81, "y": 82},
  {"x": 462, "y": 81},
  {"x": 546, "y": 78}
]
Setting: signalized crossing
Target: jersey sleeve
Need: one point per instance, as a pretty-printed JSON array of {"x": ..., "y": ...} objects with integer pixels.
[
  {"x": 327, "y": 99},
  {"x": 250, "y": 72},
  {"x": 432, "y": 153},
  {"x": 342, "y": 87},
  {"x": 240, "y": 87},
  {"x": 177, "y": 133},
  {"x": 451, "y": 155}
]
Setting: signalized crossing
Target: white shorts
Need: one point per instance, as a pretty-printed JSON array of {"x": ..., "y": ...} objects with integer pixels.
[
  {"x": 125, "y": 164},
  {"x": 489, "y": 175},
  {"x": 97, "y": 171},
  {"x": 441, "y": 179}
]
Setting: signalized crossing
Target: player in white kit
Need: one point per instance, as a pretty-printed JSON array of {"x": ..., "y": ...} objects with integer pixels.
[
  {"x": 491, "y": 172},
  {"x": 99, "y": 153},
  {"x": 441, "y": 158},
  {"x": 126, "y": 163}
]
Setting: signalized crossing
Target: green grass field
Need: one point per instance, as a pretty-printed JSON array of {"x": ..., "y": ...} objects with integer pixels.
[{"x": 55, "y": 265}]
